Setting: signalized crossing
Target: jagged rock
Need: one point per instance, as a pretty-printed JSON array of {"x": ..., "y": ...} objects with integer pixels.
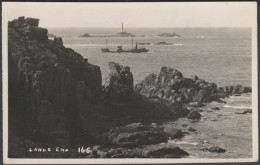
[
  {"x": 215, "y": 108},
  {"x": 36, "y": 33},
  {"x": 120, "y": 81},
  {"x": 170, "y": 87},
  {"x": 163, "y": 151},
  {"x": 58, "y": 40},
  {"x": 245, "y": 112},
  {"x": 196, "y": 104},
  {"x": 194, "y": 78},
  {"x": 134, "y": 135},
  {"x": 32, "y": 21},
  {"x": 237, "y": 89},
  {"x": 194, "y": 115},
  {"x": 173, "y": 132},
  {"x": 214, "y": 149},
  {"x": 120, "y": 76},
  {"x": 201, "y": 96},
  {"x": 192, "y": 129}
]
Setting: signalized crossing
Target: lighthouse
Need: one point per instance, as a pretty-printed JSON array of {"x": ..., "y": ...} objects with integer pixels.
[{"x": 122, "y": 28}]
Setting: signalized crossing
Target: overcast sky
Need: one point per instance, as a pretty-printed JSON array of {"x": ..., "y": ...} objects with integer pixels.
[{"x": 178, "y": 14}]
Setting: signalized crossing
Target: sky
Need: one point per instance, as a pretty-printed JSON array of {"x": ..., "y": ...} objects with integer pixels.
[{"x": 158, "y": 14}]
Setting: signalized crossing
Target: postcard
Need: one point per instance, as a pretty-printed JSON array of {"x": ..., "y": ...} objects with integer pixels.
[{"x": 120, "y": 83}]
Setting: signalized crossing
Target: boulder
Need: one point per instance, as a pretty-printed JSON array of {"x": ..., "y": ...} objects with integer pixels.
[
  {"x": 192, "y": 129},
  {"x": 239, "y": 89},
  {"x": 58, "y": 40},
  {"x": 196, "y": 104},
  {"x": 136, "y": 134},
  {"x": 194, "y": 78},
  {"x": 215, "y": 108},
  {"x": 163, "y": 151},
  {"x": 214, "y": 149},
  {"x": 247, "y": 111},
  {"x": 173, "y": 132},
  {"x": 120, "y": 77},
  {"x": 201, "y": 96},
  {"x": 194, "y": 115}
]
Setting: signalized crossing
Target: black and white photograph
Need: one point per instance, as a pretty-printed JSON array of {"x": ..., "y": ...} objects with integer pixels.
[{"x": 129, "y": 82}]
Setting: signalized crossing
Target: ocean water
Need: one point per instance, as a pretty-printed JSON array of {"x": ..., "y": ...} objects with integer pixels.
[
  {"x": 223, "y": 128},
  {"x": 220, "y": 55}
]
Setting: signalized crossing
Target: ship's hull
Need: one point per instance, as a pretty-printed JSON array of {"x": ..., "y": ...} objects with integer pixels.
[{"x": 143, "y": 50}]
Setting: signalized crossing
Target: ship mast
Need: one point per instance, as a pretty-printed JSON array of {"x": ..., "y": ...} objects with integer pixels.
[
  {"x": 132, "y": 43},
  {"x": 122, "y": 27}
]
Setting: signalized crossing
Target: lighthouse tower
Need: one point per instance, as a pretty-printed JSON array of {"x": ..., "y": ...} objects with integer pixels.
[{"x": 122, "y": 28}]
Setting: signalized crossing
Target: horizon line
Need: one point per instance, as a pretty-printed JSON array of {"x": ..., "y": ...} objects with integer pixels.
[{"x": 145, "y": 27}]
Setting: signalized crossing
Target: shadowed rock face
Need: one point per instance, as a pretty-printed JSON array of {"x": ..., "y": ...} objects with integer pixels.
[
  {"x": 120, "y": 77},
  {"x": 48, "y": 84}
]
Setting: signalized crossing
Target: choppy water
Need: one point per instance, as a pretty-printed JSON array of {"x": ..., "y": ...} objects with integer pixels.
[
  {"x": 223, "y": 128},
  {"x": 220, "y": 55}
]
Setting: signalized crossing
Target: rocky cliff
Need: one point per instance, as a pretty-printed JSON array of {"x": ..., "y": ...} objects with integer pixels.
[
  {"x": 56, "y": 97},
  {"x": 48, "y": 84}
]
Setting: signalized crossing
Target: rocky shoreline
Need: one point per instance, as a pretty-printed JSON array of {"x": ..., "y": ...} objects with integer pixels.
[{"x": 56, "y": 98}]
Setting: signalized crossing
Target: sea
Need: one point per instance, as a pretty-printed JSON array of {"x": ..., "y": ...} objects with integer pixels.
[{"x": 219, "y": 55}]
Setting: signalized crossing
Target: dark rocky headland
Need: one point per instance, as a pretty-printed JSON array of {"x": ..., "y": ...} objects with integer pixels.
[{"x": 56, "y": 99}]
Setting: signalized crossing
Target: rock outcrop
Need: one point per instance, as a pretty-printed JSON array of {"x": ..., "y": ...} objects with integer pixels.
[
  {"x": 175, "y": 90},
  {"x": 136, "y": 134},
  {"x": 163, "y": 151},
  {"x": 85, "y": 35},
  {"x": 169, "y": 35},
  {"x": 214, "y": 149}
]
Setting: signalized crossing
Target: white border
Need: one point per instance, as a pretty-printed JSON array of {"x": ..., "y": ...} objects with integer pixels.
[{"x": 7, "y": 160}]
